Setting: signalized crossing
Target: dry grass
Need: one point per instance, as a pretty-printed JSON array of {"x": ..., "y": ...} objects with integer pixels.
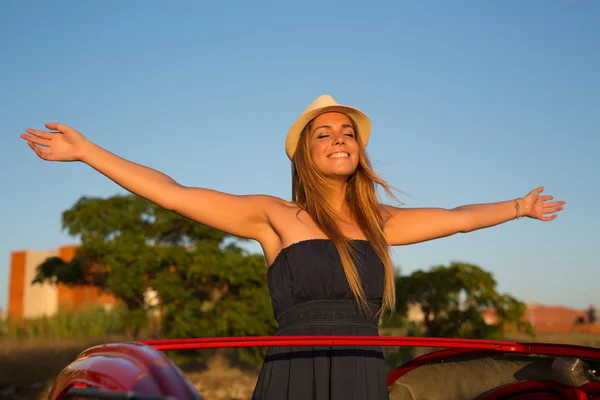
[
  {"x": 576, "y": 338},
  {"x": 223, "y": 378},
  {"x": 27, "y": 366}
]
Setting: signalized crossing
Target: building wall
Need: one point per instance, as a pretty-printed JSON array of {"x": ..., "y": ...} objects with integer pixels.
[
  {"x": 16, "y": 284},
  {"x": 27, "y": 300},
  {"x": 39, "y": 299}
]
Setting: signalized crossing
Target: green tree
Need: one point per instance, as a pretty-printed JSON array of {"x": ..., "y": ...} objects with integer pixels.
[
  {"x": 216, "y": 294},
  {"x": 129, "y": 245},
  {"x": 453, "y": 300}
]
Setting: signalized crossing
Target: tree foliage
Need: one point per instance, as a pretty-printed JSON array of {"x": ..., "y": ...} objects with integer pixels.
[{"x": 453, "y": 300}]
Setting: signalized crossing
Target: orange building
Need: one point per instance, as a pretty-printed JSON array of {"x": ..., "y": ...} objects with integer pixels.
[
  {"x": 27, "y": 300},
  {"x": 559, "y": 319}
]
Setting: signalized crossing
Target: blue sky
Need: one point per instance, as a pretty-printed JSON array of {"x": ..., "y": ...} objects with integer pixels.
[{"x": 470, "y": 101}]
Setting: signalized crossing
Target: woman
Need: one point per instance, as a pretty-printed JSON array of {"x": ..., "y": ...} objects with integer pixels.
[{"x": 329, "y": 271}]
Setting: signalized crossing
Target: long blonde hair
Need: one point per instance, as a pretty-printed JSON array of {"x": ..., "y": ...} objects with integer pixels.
[{"x": 310, "y": 191}]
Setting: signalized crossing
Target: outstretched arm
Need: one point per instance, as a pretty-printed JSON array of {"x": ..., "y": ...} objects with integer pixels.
[
  {"x": 406, "y": 226},
  {"x": 244, "y": 216}
]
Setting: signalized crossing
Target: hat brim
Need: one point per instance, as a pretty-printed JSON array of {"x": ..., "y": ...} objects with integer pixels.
[{"x": 362, "y": 121}]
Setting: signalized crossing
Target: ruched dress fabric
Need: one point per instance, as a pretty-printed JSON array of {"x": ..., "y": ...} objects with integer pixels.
[{"x": 311, "y": 296}]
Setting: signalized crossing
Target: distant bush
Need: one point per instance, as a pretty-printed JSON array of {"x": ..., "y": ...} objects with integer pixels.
[{"x": 94, "y": 323}]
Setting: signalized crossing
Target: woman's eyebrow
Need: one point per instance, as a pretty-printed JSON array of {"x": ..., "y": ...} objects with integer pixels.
[{"x": 329, "y": 127}]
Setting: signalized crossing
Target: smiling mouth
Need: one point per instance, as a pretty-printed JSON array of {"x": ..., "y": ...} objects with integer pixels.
[{"x": 339, "y": 154}]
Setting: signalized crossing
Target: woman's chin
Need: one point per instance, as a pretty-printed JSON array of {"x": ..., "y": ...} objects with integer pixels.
[{"x": 340, "y": 174}]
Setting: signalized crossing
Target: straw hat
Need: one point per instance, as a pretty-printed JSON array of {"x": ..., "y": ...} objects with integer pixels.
[{"x": 326, "y": 103}]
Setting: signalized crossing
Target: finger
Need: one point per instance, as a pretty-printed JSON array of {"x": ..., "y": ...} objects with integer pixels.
[
  {"x": 43, "y": 153},
  {"x": 57, "y": 127},
  {"x": 548, "y": 218},
  {"x": 42, "y": 134},
  {"x": 535, "y": 193},
  {"x": 555, "y": 204},
  {"x": 550, "y": 210},
  {"x": 546, "y": 198},
  {"x": 37, "y": 140}
]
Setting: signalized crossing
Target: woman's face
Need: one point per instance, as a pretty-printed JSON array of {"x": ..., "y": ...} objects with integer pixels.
[{"x": 333, "y": 145}]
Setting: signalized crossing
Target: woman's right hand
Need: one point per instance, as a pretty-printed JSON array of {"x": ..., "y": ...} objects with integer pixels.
[{"x": 64, "y": 144}]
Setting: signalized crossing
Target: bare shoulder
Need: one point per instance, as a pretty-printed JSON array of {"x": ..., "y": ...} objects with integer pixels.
[
  {"x": 278, "y": 204},
  {"x": 282, "y": 214},
  {"x": 279, "y": 212},
  {"x": 264, "y": 200},
  {"x": 388, "y": 212},
  {"x": 393, "y": 215}
]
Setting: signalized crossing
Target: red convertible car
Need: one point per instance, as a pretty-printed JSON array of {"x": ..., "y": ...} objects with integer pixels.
[{"x": 458, "y": 369}]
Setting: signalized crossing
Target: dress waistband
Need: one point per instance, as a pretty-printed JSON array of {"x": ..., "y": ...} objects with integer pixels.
[{"x": 328, "y": 313}]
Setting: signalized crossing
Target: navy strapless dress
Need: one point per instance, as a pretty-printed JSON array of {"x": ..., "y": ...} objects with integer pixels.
[{"x": 310, "y": 296}]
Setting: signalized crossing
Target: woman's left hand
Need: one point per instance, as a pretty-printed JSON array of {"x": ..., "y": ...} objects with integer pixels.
[{"x": 541, "y": 207}]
